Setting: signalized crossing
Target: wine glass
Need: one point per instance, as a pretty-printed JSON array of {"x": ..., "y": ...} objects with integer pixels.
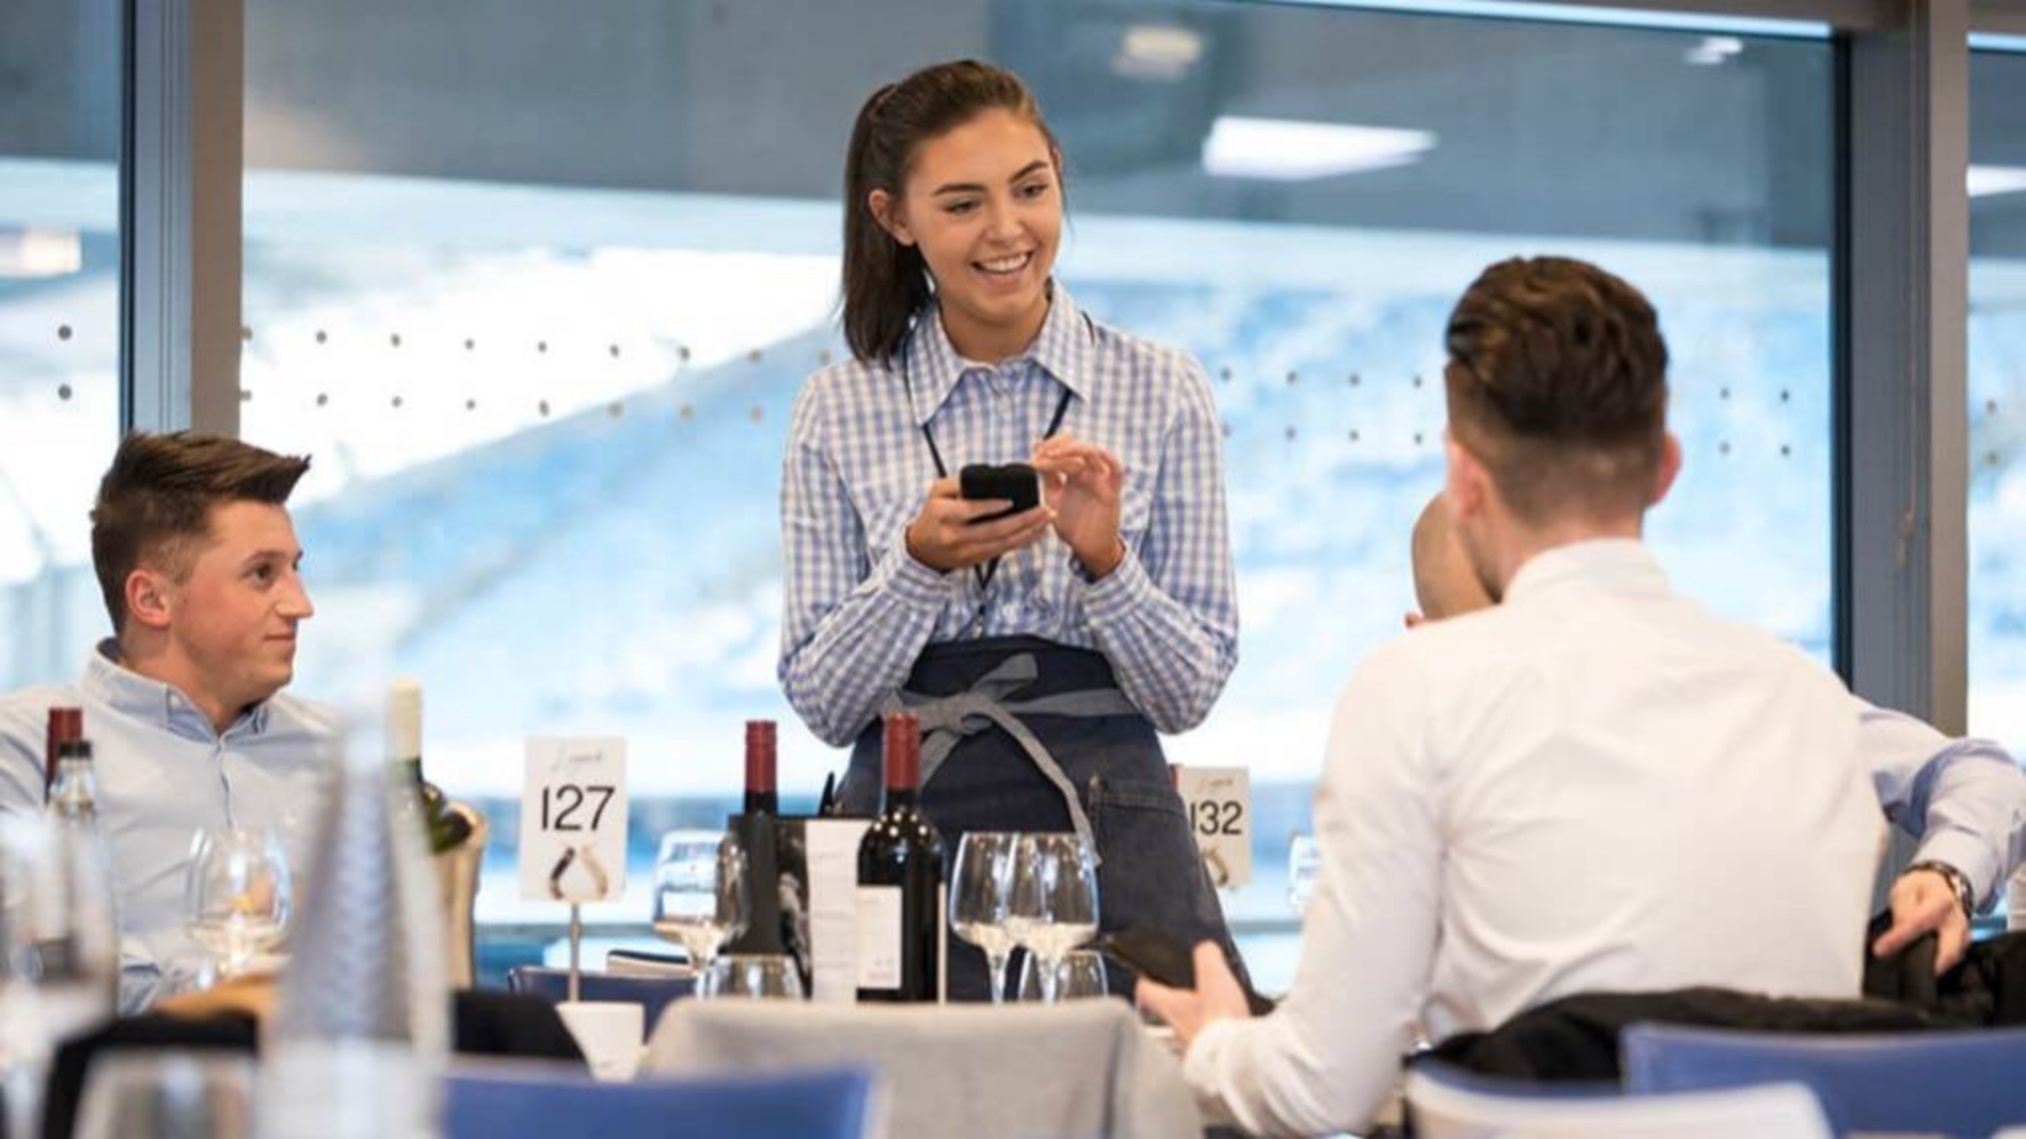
[
  {"x": 1080, "y": 974},
  {"x": 753, "y": 976},
  {"x": 700, "y": 892},
  {"x": 981, "y": 890},
  {"x": 1304, "y": 862},
  {"x": 1053, "y": 908},
  {"x": 168, "y": 1094},
  {"x": 60, "y": 970},
  {"x": 238, "y": 895}
]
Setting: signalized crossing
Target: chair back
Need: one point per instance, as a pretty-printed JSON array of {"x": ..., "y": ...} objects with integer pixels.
[
  {"x": 1083, "y": 1068},
  {"x": 652, "y": 994},
  {"x": 534, "y": 1102},
  {"x": 1948, "y": 1083},
  {"x": 1446, "y": 1103}
]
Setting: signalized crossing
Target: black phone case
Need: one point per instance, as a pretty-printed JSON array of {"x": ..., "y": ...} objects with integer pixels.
[
  {"x": 1156, "y": 956},
  {"x": 1017, "y": 483}
]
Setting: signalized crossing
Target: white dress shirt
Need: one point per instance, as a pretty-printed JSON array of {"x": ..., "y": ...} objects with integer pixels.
[{"x": 1593, "y": 786}]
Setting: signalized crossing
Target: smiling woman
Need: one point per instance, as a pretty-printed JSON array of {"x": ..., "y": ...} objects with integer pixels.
[{"x": 1112, "y": 600}]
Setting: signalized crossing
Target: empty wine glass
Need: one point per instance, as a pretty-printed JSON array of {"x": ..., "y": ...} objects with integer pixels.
[
  {"x": 753, "y": 976},
  {"x": 59, "y": 944},
  {"x": 1304, "y": 862},
  {"x": 237, "y": 895},
  {"x": 168, "y": 1095},
  {"x": 1053, "y": 908},
  {"x": 1079, "y": 975},
  {"x": 981, "y": 892},
  {"x": 700, "y": 892}
]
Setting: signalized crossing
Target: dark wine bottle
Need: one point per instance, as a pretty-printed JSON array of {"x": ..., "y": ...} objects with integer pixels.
[
  {"x": 900, "y": 880},
  {"x": 65, "y": 726},
  {"x": 762, "y": 793}
]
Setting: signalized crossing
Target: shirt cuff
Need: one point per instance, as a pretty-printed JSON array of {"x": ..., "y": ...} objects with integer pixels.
[
  {"x": 1968, "y": 855},
  {"x": 918, "y": 586},
  {"x": 1123, "y": 590}
]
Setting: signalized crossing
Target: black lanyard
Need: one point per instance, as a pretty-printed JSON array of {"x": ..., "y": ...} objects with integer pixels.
[{"x": 982, "y": 572}]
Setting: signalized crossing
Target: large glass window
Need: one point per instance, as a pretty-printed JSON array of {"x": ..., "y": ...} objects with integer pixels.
[
  {"x": 541, "y": 335},
  {"x": 1997, "y": 390},
  {"x": 59, "y": 323}
]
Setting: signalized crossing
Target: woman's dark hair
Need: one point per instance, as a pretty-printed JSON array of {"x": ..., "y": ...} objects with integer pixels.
[{"x": 886, "y": 283}]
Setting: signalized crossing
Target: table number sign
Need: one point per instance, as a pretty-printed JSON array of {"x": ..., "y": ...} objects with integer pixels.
[
  {"x": 1219, "y": 801},
  {"x": 573, "y": 821}
]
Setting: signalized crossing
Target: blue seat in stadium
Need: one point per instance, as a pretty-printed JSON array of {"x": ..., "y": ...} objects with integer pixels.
[
  {"x": 1934, "y": 1083},
  {"x": 525, "y": 1102}
]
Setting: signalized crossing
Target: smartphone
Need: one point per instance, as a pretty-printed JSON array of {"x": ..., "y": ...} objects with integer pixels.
[
  {"x": 1156, "y": 956},
  {"x": 1017, "y": 483}
]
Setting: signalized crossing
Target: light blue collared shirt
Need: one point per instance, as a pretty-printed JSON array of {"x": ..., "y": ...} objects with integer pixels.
[
  {"x": 164, "y": 775},
  {"x": 858, "y": 609}
]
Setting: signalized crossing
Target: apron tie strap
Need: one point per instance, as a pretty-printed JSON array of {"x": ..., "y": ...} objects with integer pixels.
[{"x": 948, "y": 720}]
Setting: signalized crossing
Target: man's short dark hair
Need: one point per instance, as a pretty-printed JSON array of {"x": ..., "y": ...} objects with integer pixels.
[
  {"x": 1557, "y": 380},
  {"x": 154, "y": 504}
]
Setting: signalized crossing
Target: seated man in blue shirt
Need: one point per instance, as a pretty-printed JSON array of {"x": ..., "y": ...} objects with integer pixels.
[
  {"x": 1964, "y": 799},
  {"x": 198, "y": 562}
]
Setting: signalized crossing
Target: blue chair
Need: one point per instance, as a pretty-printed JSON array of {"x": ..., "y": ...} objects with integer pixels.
[
  {"x": 652, "y": 994},
  {"x": 524, "y": 1102},
  {"x": 1952, "y": 1083},
  {"x": 1447, "y": 1103}
]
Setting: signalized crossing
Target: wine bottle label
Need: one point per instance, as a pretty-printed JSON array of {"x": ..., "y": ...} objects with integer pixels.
[{"x": 879, "y": 937}]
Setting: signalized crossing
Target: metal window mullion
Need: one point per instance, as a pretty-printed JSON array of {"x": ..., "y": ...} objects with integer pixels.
[{"x": 180, "y": 214}]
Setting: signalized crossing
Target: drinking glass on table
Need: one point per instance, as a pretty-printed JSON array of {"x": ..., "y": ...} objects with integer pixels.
[
  {"x": 168, "y": 1095},
  {"x": 237, "y": 895},
  {"x": 981, "y": 894},
  {"x": 1304, "y": 863},
  {"x": 1053, "y": 907},
  {"x": 701, "y": 895},
  {"x": 753, "y": 976},
  {"x": 59, "y": 944},
  {"x": 1079, "y": 975}
]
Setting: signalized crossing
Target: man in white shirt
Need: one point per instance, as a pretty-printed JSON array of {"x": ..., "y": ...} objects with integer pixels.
[
  {"x": 1594, "y": 785},
  {"x": 1964, "y": 799},
  {"x": 199, "y": 566}
]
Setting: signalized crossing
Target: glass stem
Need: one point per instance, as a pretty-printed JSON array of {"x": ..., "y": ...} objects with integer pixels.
[{"x": 995, "y": 968}]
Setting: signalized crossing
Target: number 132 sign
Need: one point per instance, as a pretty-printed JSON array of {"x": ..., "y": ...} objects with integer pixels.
[
  {"x": 573, "y": 821},
  {"x": 1219, "y": 800}
]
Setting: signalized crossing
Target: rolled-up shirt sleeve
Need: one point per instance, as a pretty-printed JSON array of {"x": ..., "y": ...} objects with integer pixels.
[{"x": 1964, "y": 799}]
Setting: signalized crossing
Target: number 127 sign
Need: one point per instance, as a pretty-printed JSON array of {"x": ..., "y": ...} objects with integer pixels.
[{"x": 573, "y": 821}]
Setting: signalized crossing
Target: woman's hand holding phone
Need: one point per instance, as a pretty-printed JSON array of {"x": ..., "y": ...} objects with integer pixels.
[{"x": 947, "y": 535}]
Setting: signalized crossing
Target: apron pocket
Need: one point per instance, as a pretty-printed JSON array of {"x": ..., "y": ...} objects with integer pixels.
[{"x": 1152, "y": 872}]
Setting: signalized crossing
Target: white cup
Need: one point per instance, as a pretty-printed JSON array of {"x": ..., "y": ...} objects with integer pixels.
[{"x": 610, "y": 1034}]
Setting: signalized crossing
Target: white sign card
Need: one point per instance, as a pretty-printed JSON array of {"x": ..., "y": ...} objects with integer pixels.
[
  {"x": 832, "y": 851},
  {"x": 1219, "y": 800},
  {"x": 573, "y": 821}
]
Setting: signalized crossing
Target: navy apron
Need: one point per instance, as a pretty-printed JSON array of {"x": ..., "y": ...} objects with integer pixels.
[{"x": 987, "y": 706}]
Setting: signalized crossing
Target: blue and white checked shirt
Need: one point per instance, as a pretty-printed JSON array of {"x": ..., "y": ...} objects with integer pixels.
[{"x": 859, "y": 609}]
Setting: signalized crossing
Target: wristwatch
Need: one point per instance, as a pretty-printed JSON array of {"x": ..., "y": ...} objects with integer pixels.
[{"x": 1965, "y": 896}]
